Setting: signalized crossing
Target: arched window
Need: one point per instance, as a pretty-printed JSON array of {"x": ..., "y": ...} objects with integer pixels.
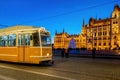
[{"x": 72, "y": 43}]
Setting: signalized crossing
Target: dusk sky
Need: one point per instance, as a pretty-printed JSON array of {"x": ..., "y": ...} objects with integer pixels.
[{"x": 54, "y": 14}]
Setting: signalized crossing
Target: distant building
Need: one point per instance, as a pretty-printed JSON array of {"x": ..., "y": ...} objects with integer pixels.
[
  {"x": 63, "y": 40},
  {"x": 102, "y": 34}
]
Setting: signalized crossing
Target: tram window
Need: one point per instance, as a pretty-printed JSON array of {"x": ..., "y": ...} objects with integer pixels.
[
  {"x": 12, "y": 40},
  {"x": 1, "y": 41},
  {"x": 27, "y": 39},
  {"x": 5, "y": 38},
  {"x": 45, "y": 40},
  {"x": 36, "y": 39},
  {"x": 24, "y": 39},
  {"x": 19, "y": 40},
  {"x": 8, "y": 40}
]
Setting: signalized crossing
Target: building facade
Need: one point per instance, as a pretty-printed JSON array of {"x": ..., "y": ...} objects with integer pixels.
[{"x": 102, "y": 34}]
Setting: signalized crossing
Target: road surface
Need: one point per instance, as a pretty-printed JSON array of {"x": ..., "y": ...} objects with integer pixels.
[{"x": 72, "y": 68}]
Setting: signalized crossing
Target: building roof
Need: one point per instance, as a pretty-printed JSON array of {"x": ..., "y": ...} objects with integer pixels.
[
  {"x": 116, "y": 7},
  {"x": 102, "y": 20}
]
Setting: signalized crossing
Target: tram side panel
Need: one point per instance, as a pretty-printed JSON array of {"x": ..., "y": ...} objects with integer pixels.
[
  {"x": 47, "y": 54},
  {"x": 37, "y": 56},
  {"x": 34, "y": 55},
  {"x": 20, "y": 54},
  {"x": 9, "y": 54}
]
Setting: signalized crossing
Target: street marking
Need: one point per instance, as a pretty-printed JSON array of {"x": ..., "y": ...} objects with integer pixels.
[
  {"x": 40, "y": 73},
  {"x": 6, "y": 78}
]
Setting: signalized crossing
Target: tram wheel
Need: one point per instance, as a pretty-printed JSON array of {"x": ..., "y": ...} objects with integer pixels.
[{"x": 47, "y": 63}]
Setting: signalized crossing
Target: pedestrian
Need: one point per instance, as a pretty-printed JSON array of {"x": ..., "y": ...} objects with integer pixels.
[
  {"x": 67, "y": 53},
  {"x": 62, "y": 52},
  {"x": 93, "y": 53}
]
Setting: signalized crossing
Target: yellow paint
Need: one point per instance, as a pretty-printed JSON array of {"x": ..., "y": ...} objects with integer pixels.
[
  {"x": 9, "y": 54},
  {"x": 25, "y": 54}
]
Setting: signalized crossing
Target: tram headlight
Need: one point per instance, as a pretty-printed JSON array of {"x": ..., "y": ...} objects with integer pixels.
[{"x": 48, "y": 54}]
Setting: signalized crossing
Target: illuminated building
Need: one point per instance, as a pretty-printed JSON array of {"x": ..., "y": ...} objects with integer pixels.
[
  {"x": 63, "y": 40},
  {"x": 102, "y": 34}
]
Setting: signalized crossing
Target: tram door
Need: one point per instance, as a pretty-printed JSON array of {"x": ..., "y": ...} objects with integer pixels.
[{"x": 23, "y": 47}]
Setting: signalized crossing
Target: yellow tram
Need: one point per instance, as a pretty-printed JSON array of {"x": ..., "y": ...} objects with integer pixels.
[{"x": 25, "y": 44}]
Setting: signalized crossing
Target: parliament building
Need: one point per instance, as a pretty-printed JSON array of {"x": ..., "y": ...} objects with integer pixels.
[{"x": 102, "y": 34}]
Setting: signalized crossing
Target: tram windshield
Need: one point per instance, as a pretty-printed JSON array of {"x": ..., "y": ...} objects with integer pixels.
[
  {"x": 45, "y": 40},
  {"x": 41, "y": 40}
]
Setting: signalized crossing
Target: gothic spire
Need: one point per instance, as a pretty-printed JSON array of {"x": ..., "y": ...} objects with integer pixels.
[
  {"x": 63, "y": 30},
  {"x": 56, "y": 32},
  {"x": 83, "y": 23}
]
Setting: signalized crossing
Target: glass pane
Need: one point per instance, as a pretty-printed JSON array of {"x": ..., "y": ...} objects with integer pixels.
[
  {"x": 12, "y": 40},
  {"x": 45, "y": 40},
  {"x": 5, "y": 42},
  {"x": 36, "y": 41},
  {"x": 19, "y": 40},
  {"x": 23, "y": 39},
  {"x": 27, "y": 39},
  {"x": 1, "y": 41}
]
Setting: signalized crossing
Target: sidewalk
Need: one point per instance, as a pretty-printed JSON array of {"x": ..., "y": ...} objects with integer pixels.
[{"x": 106, "y": 56}]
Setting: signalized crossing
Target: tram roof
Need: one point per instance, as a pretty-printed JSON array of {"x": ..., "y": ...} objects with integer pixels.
[{"x": 19, "y": 28}]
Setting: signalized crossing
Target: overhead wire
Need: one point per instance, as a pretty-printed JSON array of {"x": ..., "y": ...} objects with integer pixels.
[
  {"x": 3, "y": 25},
  {"x": 66, "y": 13},
  {"x": 71, "y": 12}
]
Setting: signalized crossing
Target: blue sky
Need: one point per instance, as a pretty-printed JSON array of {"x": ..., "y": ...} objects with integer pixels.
[{"x": 39, "y": 12}]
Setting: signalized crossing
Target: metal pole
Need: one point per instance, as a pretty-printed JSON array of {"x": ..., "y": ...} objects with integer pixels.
[{"x": 40, "y": 42}]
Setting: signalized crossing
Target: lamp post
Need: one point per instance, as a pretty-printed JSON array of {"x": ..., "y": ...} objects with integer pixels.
[{"x": 92, "y": 38}]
